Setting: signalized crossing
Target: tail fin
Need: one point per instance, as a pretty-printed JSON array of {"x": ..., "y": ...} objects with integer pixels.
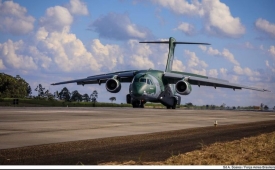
[{"x": 172, "y": 44}]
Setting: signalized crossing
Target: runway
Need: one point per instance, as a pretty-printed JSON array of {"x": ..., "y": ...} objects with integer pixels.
[{"x": 43, "y": 125}]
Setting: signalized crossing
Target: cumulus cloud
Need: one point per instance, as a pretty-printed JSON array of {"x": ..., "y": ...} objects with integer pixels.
[
  {"x": 13, "y": 55},
  {"x": 109, "y": 56},
  {"x": 14, "y": 19},
  {"x": 2, "y": 66},
  {"x": 225, "y": 53},
  {"x": 186, "y": 28},
  {"x": 213, "y": 73},
  {"x": 56, "y": 19},
  {"x": 77, "y": 7},
  {"x": 194, "y": 61},
  {"x": 229, "y": 56},
  {"x": 265, "y": 26},
  {"x": 119, "y": 27},
  {"x": 194, "y": 64},
  {"x": 181, "y": 7},
  {"x": 245, "y": 71},
  {"x": 218, "y": 19},
  {"x": 178, "y": 66},
  {"x": 66, "y": 51}
]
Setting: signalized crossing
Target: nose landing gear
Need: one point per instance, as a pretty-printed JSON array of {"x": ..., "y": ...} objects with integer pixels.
[{"x": 138, "y": 104}]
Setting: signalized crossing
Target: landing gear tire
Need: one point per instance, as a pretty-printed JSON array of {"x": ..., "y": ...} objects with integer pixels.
[
  {"x": 175, "y": 104},
  {"x": 137, "y": 104}
]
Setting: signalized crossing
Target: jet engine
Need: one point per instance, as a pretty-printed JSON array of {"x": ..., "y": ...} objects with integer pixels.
[
  {"x": 113, "y": 85},
  {"x": 183, "y": 87}
]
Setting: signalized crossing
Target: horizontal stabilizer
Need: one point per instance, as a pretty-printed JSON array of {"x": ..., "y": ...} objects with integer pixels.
[{"x": 167, "y": 42}]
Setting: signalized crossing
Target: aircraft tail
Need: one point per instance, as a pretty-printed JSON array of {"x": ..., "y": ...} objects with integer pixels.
[{"x": 172, "y": 44}]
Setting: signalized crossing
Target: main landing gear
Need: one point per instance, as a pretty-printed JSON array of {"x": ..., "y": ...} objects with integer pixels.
[{"x": 174, "y": 105}]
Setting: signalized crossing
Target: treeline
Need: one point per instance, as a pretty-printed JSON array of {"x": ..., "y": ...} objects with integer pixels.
[
  {"x": 17, "y": 87},
  {"x": 65, "y": 95}
]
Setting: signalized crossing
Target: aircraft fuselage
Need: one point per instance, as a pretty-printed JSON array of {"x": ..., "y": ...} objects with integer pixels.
[{"x": 151, "y": 86}]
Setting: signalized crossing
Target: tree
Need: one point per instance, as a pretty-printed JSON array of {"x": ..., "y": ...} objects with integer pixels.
[
  {"x": 12, "y": 87},
  {"x": 266, "y": 107},
  {"x": 274, "y": 108},
  {"x": 222, "y": 106},
  {"x": 64, "y": 94},
  {"x": 40, "y": 90},
  {"x": 76, "y": 96},
  {"x": 93, "y": 97},
  {"x": 29, "y": 90},
  {"x": 112, "y": 99},
  {"x": 262, "y": 106},
  {"x": 85, "y": 97},
  {"x": 48, "y": 95}
]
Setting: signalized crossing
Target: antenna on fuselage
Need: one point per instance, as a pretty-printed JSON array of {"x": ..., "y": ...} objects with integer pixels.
[{"x": 172, "y": 44}]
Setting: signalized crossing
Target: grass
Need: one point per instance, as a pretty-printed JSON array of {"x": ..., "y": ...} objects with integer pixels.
[
  {"x": 55, "y": 103},
  {"x": 258, "y": 150}
]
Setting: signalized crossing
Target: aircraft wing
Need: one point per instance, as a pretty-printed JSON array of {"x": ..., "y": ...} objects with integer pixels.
[
  {"x": 122, "y": 76},
  {"x": 195, "y": 79}
]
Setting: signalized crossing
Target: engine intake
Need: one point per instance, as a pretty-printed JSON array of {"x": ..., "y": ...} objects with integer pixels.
[
  {"x": 183, "y": 87},
  {"x": 113, "y": 85}
]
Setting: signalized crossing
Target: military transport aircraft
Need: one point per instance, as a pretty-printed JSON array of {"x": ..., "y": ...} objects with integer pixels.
[{"x": 155, "y": 85}]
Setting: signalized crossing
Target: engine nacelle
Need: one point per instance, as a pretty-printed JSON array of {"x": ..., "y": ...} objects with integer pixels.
[
  {"x": 113, "y": 85},
  {"x": 183, "y": 87}
]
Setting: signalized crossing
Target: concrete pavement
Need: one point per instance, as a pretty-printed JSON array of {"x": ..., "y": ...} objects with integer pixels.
[{"x": 26, "y": 126}]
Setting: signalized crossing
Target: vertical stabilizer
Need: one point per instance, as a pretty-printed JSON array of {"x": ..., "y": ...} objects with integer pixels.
[{"x": 170, "y": 58}]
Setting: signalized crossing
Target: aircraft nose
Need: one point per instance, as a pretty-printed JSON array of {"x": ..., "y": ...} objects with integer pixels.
[{"x": 137, "y": 89}]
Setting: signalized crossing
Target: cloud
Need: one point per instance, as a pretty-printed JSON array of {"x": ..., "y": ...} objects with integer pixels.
[
  {"x": 212, "y": 51},
  {"x": 225, "y": 53},
  {"x": 186, "y": 28},
  {"x": 77, "y": 7},
  {"x": 217, "y": 17},
  {"x": 66, "y": 51},
  {"x": 269, "y": 66},
  {"x": 271, "y": 51},
  {"x": 219, "y": 21},
  {"x": 245, "y": 71},
  {"x": 194, "y": 64},
  {"x": 13, "y": 55},
  {"x": 56, "y": 19},
  {"x": 178, "y": 66},
  {"x": 229, "y": 56},
  {"x": 14, "y": 19},
  {"x": 2, "y": 66},
  {"x": 181, "y": 7},
  {"x": 265, "y": 26},
  {"x": 119, "y": 27},
  {"x": 213, "y": 73},
  {"x": 109, "y": 56}
]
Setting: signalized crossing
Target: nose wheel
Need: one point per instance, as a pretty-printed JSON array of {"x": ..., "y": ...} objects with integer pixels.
[{"x": 137, "y": 104}]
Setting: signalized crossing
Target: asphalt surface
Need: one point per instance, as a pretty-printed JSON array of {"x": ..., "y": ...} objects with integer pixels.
[{"x": 66, "y": 136}]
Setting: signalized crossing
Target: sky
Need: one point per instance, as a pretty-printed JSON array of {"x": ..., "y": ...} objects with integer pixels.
[{"x": 51, "y": 41}]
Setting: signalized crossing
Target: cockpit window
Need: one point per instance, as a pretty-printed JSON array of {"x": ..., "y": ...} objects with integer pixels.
[{"x": 142, "y": 80}]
